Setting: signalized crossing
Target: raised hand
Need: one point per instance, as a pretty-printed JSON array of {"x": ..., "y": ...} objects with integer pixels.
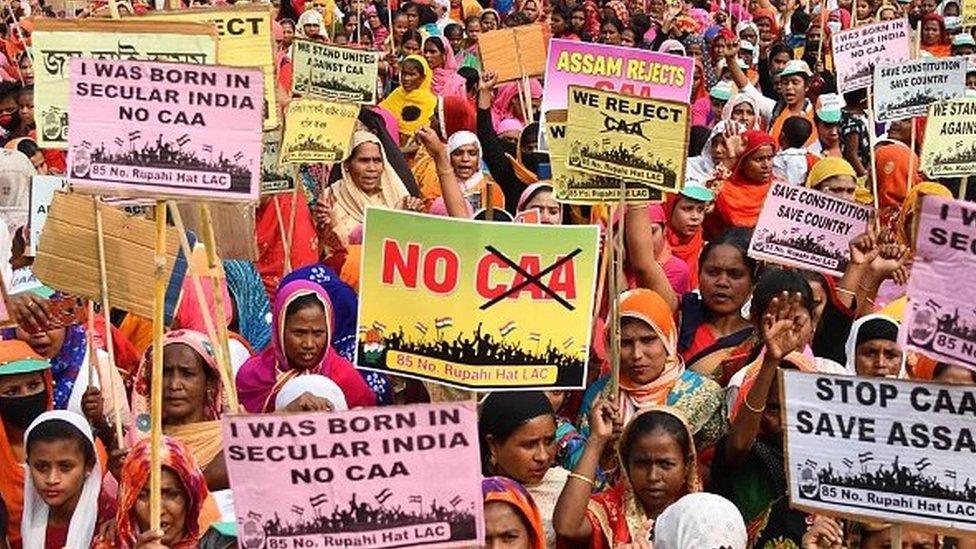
[
  {"x": 864, "y": 247},
  {"x": 782, "y": 325}
]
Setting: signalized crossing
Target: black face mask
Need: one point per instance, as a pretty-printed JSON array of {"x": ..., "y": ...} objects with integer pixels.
[{"x": 21, "y": 411}]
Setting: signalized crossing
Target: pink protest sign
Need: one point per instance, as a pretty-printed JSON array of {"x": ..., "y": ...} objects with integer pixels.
[
  {"x": 857, "y": 51},
  {"x": 165, "y": 129},
  {"x": 398, "y": 476},
  {"x": 805, "y": 228},
  {"x": 628, "y": 71},
  {"x": 940, "y": 320}
]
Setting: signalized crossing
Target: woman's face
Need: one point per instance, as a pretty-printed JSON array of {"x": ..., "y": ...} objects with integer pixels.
[
  {"x": 434, "y": 56},
  {"x": 717, "y": 106},
  {"x": 744, "y": 114},
  {"x": 877, "y": 358},
  {"x": 21, "y": 385},
  {"x": 557, "y": 25},
  {"x": 749, "y": 35},
  {"x": 27, "y": 71},
  {"x": 531, "y": 10},
  {"x": 527, "y": 453},
  {"x": 287, "y": 35},
  {"x": 928, "y": 6},
  {"x": 793, "y": 88},
  {"x": 410, "y": 78},
  {"x": 306, "y": 337},
  {"x": 955, "y": 375},
  {"x": 489, "y": 22},
  {"x": 657, "y": 470},
  {"x": 758, "y": 166},
  {"x": 173, "y": 515},
  {"x": 931, "y": 32},
  {"x": 889, "y": 15},
  {"x": 656, "y": 8},
  {"x": 185, "y": 385},
  {"x": 311, "y": 30},
  {"x": 687, "y": 217},
  {"x": 628, "y": 39},
  {"x": 410, "y": 47},
  {"x": 47, "y": 344},
  {"x": 864, "y": 10},
  {"x": 400, "y": 27},
  {"x": 829, "y": 134},
  {"x": 58, "y": 470},
  {"x": 504, "y": 528},
  {"x": 643, "y": 354},
  {"x": 413, "y": 17},
  {"x": 609, "y": 35},
  {"x": 725, "y": 280},
  {"x": 456, "y": 39},
  {"x": 549, "y": 211},
  {"x": 473, "y": 30},
  {"x": 841, "y": 186},
  {"x": 694, "y": 51},
  {"x": 577, "y": 20},
  {"x": 951, "y": 10},
  {"x": 765, "y": 29},
  {"x": 778, "y": 62},
  {"x": 696, "y": 77},
  {"x": 719, "y": 152},
  {"x": 718, "y": 45},
  {"x": 465, "y": 160},
  {"x": 374, "y": 20}
]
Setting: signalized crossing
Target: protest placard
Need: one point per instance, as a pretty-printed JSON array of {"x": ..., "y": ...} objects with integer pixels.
[
  {"x": 630, "y": 138},
  {"x": 55, "y": 41},
  {"x": 904, "y": 90},
  {"x": 878, "y": 449},
  {"x": 856, "y": 51},
  {"x": 331, "y": 72},
  {"x": 939, "y": 319},
  {"x": 371, "y": 477},
  {"x": 968, "y": 13},
  {"x": 42, "y": 192},
  {"x": 233, "y": 225},
  {"x": 244, "y": 40},
  {"x": 805, "y": 228},
  {"x": 576, "y": 187},
  {"x": 275, "y": 178},
  {"x": 472, "y": 303},
  {"x": 627, "y": 71},
  {"x": 317, "y": 131},
  {"x": 949, "y": 147},
  {"x": 165, "y": 129},
  {"x": 67, "y": 255},
  {"x": 514, "y": 52}
]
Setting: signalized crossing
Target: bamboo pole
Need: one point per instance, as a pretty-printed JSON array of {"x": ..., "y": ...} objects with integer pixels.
[
  {"x": 284, "y": 235},
  {"x": 874, "y": 170},
  {"x": 107, "y": 312},
  {"x": 216, "y": 273},
  {"x": 156, "y": 388},
  {"x": 92, "y": 359},
  {"x": 295, "y": 197}
]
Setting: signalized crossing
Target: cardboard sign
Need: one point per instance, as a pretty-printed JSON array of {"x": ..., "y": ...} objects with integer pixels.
[
  {"x": 880, "y": 450},
  {"x": 67, "y": 255},
  {"x": 471, "y": 303},
  {"x": 949, "y": 147},
  {"x": 55, "y": 41},
  {"x": 857, "y": 51},
  {"x": 42, "y": 192},
  {"x": 627, "y": 71},
  {"x": 275, "y": 178},
  {"x": 233, "y": 226},
  {"x": 805, "y": 228},
  {"x": 939, "y": 319},
  {"x": 371, "y": 477},
  {"x": 244, "y": 40},
  {"x": 165, "y": 129},
  {"x": 514, "y": 52},
  {"x": 317, "y": 131},
  {"x": 907, "y": 89},
  {"x": 330, "y": 72},
  {"x": 576, "y": 187},
  {"x": 629, "y": 138}
]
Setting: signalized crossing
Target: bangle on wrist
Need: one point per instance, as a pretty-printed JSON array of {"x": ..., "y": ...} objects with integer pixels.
[
  {"x": 583, "y": 478},
  {"x": 745, "y": 402}
]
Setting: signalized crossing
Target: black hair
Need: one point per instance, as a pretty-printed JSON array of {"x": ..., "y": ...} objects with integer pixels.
[
  {"x": 772, "y": 284},
  {"x": 28, "y": 147},
  {"x": 414, "y": 64},
  {"x": 941, "y": 367},
  {"x": 856, "y": 97},
  {"x": 427, "y": 15},
  {"x": 799, "y": 22},
  {"x": 641, "y": 24},
  {"x": 562, "y": 12},
  {"x": 9, "y": 89},
  {"x": 59, "y": 429},
  {"x": 502, "y": 413},
  {"x": 796, "y": 131},
  {"x": 451, "y": 28},
  {"x": 518, "y": 19},
  {"x": 471, "y": 78},
  {"x": 287, "y": 21},
  {"x": 470, "y": 19},
  {"x": 306, "y": 301},
  {"x": 778, "y": 48},
  {"x": 649, "y": 423},
  {"x": 412, "y": 35},
  {"x": 437, "y": 44},
  {"x": 612, "y": 21},
  {"x": 699, "y": 136},
  {"x": 736, "y": 237}
]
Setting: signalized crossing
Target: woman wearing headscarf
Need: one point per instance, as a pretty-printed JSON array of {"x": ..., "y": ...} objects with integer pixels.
[
  {"x": 464, "y": 150},
  {"x": 872, "y": 348},
  {"x": 684, "y": 213},
  {"x": 540, "y": 196},
  {"x": 709, "y": 166},
  {"x": 413, "y": 102},
  {"x": 440, "y": 58},
  {"x": 507, "y": 103},
  {"x": 906, "y": 222},
  {"x": 741, "y": 196},
  {"x": 511, "y": 516},
  {"x": 250, "y": 303},
  {"x": 891, "y": 164},
  {"x": 311, "y": 26},
  {"x": 700, "y": 520},
  {"x": 935, "y": 37},
  {"x": 624, "y": 513},
  {"x": 302, "y": 308},
  {"x": 743, "y": 109}
]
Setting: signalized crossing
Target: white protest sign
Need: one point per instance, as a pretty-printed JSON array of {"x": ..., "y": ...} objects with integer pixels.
[
  {"x": 856, "y": 51},
  {"x": 903, "y": 90},
  {"x": 42, "y": 192},
  {"x": 878, "y": 449}
]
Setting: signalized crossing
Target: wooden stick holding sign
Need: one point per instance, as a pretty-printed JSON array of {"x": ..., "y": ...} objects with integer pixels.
[
  {"x": 107, "y": 312},
  {"x": 295, "y": 198},
  {"x": 156, "y": 377},
  {"x": 871, "y": 143},
  {"x": 823, "y": 24},
  {"x": 285, "y": 241},
  {"x": 90, "y": 344},
  {"x": 216, "y": 273},
  {"x": 916, "y": 45}
]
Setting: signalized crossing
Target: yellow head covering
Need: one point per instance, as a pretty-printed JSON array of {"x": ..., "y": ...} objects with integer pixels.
[
  {"x": 907, "y": 218},
  {"x": 826, "y": 168},
  {"x": 422, "y": 98}
]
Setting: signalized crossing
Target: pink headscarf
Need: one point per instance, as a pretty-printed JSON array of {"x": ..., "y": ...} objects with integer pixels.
[
  {"x": 189, "y": 313},
  {"x": 447, "y": 82},
  {"x": 501, "y": 107}
]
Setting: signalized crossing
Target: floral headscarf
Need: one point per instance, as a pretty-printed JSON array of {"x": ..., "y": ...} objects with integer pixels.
[{"x": 506, "y": 490}]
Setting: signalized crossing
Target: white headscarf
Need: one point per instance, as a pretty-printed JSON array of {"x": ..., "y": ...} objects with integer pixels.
[
  {"x": 739, "y": 99},
  {"x": 700, "y": 520},
  {"x": 311, "y": 17},
  {"x": 850, "y": 348},
  {"x": 33, "y": 527},
  {"x": 315, "y": 384},
  {"x": 460, "y": 139},
  {"x": 700, "y": 169}
]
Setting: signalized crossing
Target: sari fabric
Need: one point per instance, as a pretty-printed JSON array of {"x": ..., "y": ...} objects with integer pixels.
[
  {"x": 687, "y": 249},
  {"x": 446, "y": 81},
  {"x": 271, "y": 237},
  {"x": 423, "y": 98}
]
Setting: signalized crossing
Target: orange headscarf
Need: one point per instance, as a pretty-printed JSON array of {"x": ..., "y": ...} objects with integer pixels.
[
  {"x": 686, "y": 249},
  {"x": 891, "y": 164},
  {"x": 506, "y": 490},
  {"x": 740, "y": 200},
  {"x": 650, "y": 308}
]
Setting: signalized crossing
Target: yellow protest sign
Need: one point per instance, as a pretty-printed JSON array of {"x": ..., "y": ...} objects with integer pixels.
[
  {"x": 244, "y": 41},
  {"x": 57, "y": 40},
  {"x": 330, "y": 72},
  {"x": 949, "y": 147},
  {"x": 317, "y": 131},
  {"x": 968, "y": 13},
  {"x": 576, "y": 187},
  {"x": 631, "y": 138}
]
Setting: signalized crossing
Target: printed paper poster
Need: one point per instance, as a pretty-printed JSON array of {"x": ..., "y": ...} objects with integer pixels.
[
  {"x": 369, "y": 478},
  {"x": 331, "y": 72},
  {"x": 317, "y": 131},
  {"x": 949, "y": 147},
  {"x": 968, "y": 13},
  {"x": 275, "y": 178},
  {"x": 856, "y": 51},
  {"x": 42, "y": 192},
  {"x": 880, "y": 450},
  {"x": 55, "y": 41},
  {"x": 244, "y": 40},
  {"x": 576, "y": 187},
  {"x": 940, "y": 320},
  {"x": 630, "y": 138},
  {"x": 165, "y": 129},
  {"x": 471, "y": 303},
  {"x": 906, "y": 89},
  {"x": 805, "y": 228}
]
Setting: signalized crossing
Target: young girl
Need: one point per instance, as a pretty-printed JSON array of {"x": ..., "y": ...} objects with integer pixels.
[{"x": 61, "y": 496}]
